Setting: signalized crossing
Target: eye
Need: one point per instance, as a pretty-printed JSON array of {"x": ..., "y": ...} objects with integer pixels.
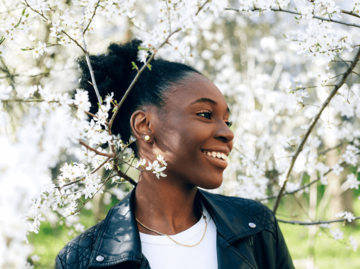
[
  {"x": 205, "y": 114},
  {"x": 229, "y": 123}
]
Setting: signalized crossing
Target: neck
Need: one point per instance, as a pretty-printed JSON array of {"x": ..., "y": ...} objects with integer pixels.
[{"x": 164, "y": 206}]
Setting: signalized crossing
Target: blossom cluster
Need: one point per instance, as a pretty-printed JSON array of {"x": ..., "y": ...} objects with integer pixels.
[{"x": 157, "y": 167}]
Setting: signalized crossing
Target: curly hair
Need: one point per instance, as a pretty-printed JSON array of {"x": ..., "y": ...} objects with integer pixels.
[{"x": 114, "y": 72}]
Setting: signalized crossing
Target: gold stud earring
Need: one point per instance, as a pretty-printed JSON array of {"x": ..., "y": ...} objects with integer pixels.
[{"x": 147, "y": 138}]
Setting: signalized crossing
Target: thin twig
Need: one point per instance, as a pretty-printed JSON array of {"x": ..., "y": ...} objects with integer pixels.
[
  {"x": 343, "y": 60},
  {"x": 137, "y": 77},
  {"x": 329, "y": 149},
  {"x": 47, "y": 20},
  {"x": 356, "y": 73},
  {"x": 334, "y": 61},
  {"x": 299, "y": 189},
  {"x": 121, "y": 174},
  {"x": 312, "y": 125},
  {"x": 48, "y": 46},
  {"x": 96, "y": 151},
  {"x": 87, "y": 57},
  {"x": 200, "y": 8},
  {"x": 297, "y": 13},
  {"x": 101, "y": 165},
  {"x": 26, "y": 101},
  {"x": 350, "y": 13},
  {"x": 313, "y": 223},
  {"x": 68, "y": 184},
  {"x": 74, "y": 41},
  {"x": 11, "y": 10},
  {"x": 27, "y": 76},
  {"x": 41, "y": 14},
  {"x": 87, "y": 26},
  {"x": 106, "y": 180}
]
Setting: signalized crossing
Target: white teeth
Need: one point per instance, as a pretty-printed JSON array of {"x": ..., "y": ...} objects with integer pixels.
[{"x": 215, "y": 154}]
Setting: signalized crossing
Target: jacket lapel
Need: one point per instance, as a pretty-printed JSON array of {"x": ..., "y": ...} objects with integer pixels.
[{"x": 233, "y": 225}]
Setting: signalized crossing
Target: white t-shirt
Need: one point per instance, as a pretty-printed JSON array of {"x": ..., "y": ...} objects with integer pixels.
[{"x": 162, "y": 253}]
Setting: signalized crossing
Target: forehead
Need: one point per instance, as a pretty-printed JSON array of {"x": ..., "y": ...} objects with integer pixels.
[{"x": 192, "y": 88}]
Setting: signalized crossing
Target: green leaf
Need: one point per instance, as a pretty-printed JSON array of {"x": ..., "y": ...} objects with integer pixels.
[
  {"x": 284, "y": 35},
  {"x": 141, "y": 48},
  {"x": 134, "y": 66},
  {"x": 149, "y": 66},
  {"x": 23, "y": 12}
]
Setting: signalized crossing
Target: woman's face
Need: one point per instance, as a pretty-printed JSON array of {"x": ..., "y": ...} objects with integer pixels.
[{"x": 192, "y": 133}]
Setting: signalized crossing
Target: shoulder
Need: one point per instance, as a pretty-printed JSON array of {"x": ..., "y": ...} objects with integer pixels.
[
  {"x": 254, "y": 210},
  {"x": 76, "y": 254}
]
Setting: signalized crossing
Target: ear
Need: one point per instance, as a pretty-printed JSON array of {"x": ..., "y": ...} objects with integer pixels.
[{"x": 141, "y": 127}]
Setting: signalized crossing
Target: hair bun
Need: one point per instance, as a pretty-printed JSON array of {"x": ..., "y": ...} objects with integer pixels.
[{"x": 113, "y": 71}]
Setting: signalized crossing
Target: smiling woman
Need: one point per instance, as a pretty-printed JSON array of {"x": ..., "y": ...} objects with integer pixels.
[{"x": 175, "y": 112}]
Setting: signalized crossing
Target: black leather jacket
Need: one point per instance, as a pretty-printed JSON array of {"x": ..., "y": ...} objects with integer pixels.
[{"x": 248, "y": 236}]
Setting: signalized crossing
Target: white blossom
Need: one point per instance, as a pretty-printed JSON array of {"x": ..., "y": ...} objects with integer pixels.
[
  {"x": 337, "y": 234},
  {"x": 353, "y": 243},
  {"x": 352, "y": 181},
  {"x": 346, "y": 215},
  {"x": 337, "y": 169},
  {"x": 5, "y": 92}
]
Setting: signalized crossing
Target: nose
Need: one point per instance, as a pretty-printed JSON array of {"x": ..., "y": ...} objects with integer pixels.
[{"x": 224, "y": 133}]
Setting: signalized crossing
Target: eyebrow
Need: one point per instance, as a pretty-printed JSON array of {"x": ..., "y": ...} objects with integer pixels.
[{"x": 207, "y": 100}]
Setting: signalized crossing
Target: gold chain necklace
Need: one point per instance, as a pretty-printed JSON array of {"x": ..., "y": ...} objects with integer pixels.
[{"x": 143, "y": 225}]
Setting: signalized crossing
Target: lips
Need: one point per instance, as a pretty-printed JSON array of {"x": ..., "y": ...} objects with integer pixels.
[{"x": 217, "y": 157}]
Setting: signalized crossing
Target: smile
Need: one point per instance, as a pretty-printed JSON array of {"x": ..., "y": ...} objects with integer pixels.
[
  {"x": 216, "y": 157},
  {"x": 216, "y": 154}
]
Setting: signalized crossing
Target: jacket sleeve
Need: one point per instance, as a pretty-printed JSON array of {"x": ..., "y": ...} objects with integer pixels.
[
  {"x": 283, "y": 258},
  {"x": 58, "y": 263}
]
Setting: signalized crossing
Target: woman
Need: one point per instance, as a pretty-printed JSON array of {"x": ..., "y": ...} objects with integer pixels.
[{"x": 177, "y": 113}]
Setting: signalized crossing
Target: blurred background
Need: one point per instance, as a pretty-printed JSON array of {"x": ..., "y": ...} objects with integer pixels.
[{"x": 252, "y": 61}]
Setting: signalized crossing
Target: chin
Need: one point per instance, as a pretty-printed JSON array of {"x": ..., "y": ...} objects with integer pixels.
[{"x": 214, "y": 183}]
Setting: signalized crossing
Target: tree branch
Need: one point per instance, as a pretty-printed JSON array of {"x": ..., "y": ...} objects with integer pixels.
[
  {"x": 350, "y": 13},
  {"x": 47, "y": 20},
  {"x": 297, "y": 13},
  {"x": 312, "y": 125},
  {"x": 329, "y": 149},
  {"x": 313, "y": 223},
  {"x": 200, "y": 8},
  {"x": 96, "y": 151},
  {"x": 121, "y": 174},
  {"x": 87, "y": 26},
  {"x": 87, "y": 57},
  {"x": 299, "y": 189},
  {"x": 101, "y": 165}
]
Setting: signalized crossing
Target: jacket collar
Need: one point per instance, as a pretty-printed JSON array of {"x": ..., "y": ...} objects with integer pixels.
[
  {"x": 232, "y": 221},
  {"x": 119, "y": 239}
]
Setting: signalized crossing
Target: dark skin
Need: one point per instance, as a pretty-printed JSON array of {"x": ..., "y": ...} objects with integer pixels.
[{"x": 194, "y": 120}]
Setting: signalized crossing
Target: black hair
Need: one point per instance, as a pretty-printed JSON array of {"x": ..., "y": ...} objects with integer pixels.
[{"x": 114, "y": 72}]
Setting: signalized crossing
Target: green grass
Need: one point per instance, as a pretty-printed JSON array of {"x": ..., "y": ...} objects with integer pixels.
[{"x": 328, "y": 252}]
